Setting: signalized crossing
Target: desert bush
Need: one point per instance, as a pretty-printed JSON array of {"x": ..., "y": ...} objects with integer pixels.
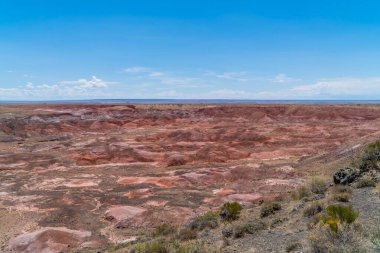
[
  {"x": 301, "y": 192},
  {"x": 365, "y": 182},
  {"x": 277, "y": 221},
  {"x": 254, "y": 225},
  {"x": 341, "y": 189},
  {"x": 164, "y": 230},
  {"x": 317, "y": 185},
  {"x": 227, "y": 232},
  {"x": 373, "y": 147},
  {"x": 195, "y": 247},
  {"x": 159, "y": 246},
  {"x": 313, "y": 209},
  {"x": 350, "y": 239},
  {"x": 186, "y": 233},
  {"x": 341, "y": 193},
  {"x": 230, "y": 211},
  {"x": 206, "y": 220},
  {"x": 269, "y": 208},
  {"x": 339, "y": 215}
]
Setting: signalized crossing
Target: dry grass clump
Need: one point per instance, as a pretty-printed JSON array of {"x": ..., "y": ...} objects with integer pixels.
[
  {"x": 341, "y": 193},
  {"x": 338, "y": 232},
  {"x": 301, "y": 192},
  {"x": 316, "y": 185},
  {"x": 164, "y": 230},
  {"x": 313, "y": 209},
  {"x": 206, "y": 220},
  {"x": 269, "y": 208},
  {"x": 365, "y": 182},
  {"x": 162, "y": 246}
]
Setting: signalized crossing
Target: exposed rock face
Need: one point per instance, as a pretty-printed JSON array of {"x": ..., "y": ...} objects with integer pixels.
[
  {"x": 48, "y": 240},
  {"x": 74, "y": 165},
  {"x": 346, "y": 176}
]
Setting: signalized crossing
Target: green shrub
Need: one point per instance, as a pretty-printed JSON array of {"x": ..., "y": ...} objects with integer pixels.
[
  {"x": 164, "y": 230},
  {"x": 301, "y": 192},
  {"x": 313, "y": 209},
  {"x": 373, "y": 147},
  {"x": 364, "y": 182},
  {"x": 268, "y": 209},
  {"x": 337, "y": 215},
  {"x": 349, "y": 239},
  {"x": 230, "y": 211},
  {"x": 206, "y": 220}
]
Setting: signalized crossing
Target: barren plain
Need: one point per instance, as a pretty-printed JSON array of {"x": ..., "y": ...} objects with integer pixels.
[{"x": 86, "y": 176}]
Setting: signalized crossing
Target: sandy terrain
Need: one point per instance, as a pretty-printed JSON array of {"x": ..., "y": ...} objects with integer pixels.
[{"x": 85, "y": 176}]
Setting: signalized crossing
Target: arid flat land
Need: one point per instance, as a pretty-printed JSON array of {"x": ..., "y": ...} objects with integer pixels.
[{"x": 89, "y": 175}]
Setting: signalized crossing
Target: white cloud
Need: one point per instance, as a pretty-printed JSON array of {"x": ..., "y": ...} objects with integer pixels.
[
  {"x": 82, "y": 88},
  {"x": 283, "y": 78},
  {"x": 94, "y": 82},
  {"x": 137, "y": 70},
  {"x": 234, "y": 76},
  {"x": 151, "y": 75}
]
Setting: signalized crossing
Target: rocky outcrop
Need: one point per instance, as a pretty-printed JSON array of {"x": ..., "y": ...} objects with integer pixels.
[{"x": 346, "y": 176}]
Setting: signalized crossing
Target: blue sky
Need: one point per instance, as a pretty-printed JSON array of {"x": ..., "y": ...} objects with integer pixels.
[{"x": 237, "y": 49}]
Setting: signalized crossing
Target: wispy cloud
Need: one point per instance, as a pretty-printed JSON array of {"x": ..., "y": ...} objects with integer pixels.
[
  {"x": 82, "y": 88},
  {"x": 283, "y": 78},
  {"x": 234, "y": 76},
  {"x": 163, "y": 78},
  {"x": 94, "y": 82}
]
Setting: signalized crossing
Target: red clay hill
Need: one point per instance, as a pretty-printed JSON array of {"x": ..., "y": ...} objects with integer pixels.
[{"x": 85, "y": 175}]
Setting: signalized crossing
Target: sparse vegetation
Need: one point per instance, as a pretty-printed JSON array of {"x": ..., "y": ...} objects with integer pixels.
[
  {"x": 317, "y": 185},
  {"x": 230, "y": 211},
  {"x": 365, "y": 182},
  {"x": 186, "y": 233},
  {"x": 313, "y": 209},
  {"x": 254, "y": 225},
  {"x": 159, "y": 246},
  {"x": 301, "y": 192},
  {"x": 239, "y": 230},
  {"x": 269, "y": 208},
  {"x": 164, "y": 230},
  {"x": 293, "y": 246},
  {"x": 206, "y": 220},
  {"x": 339, "y": 215},
  {"x": 341, "y": 193}
]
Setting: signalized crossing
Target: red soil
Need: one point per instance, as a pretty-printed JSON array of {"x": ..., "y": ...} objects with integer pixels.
[{"x": 87, "y": 167}]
